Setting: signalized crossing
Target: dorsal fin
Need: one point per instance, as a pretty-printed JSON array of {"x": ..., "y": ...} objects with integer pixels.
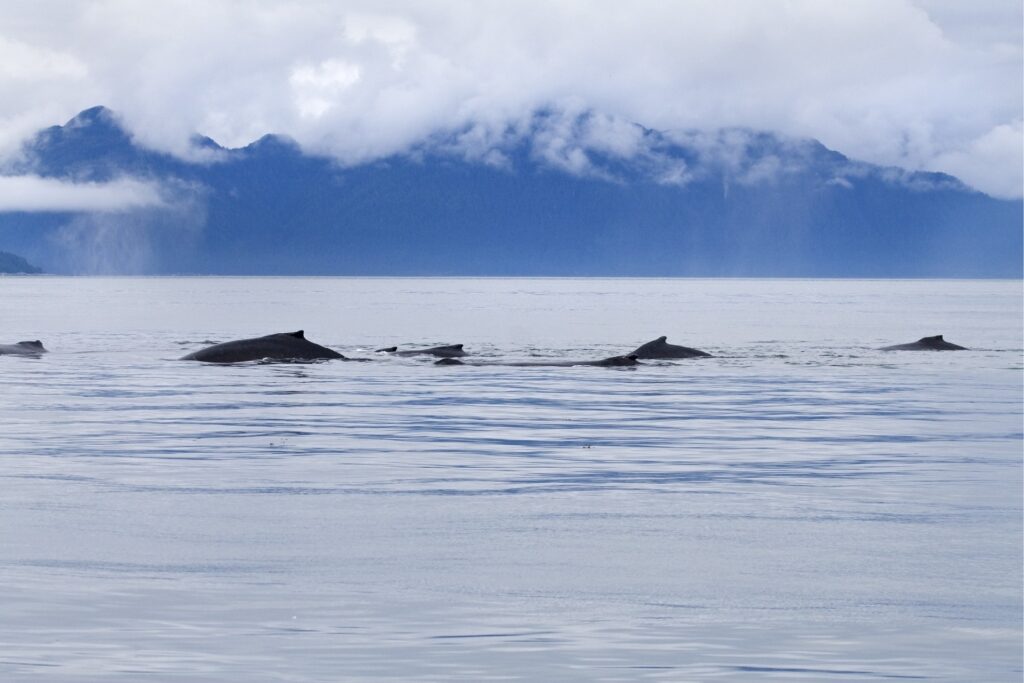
[
  {"x": 301, "y": 334},
  {"x": 662, "y": 338},
  {"x": 35, "y": 343}
]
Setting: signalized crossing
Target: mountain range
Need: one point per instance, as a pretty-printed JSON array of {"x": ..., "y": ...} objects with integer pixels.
[
  {"x": 722, "y": 203},
  {"x": 16, "y": 265}
]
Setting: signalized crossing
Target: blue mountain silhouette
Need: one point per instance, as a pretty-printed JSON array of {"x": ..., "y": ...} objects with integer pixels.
[{"x": 770, "y": 207}]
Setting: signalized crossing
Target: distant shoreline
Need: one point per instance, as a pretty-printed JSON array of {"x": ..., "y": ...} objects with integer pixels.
[{"x": 521, "y": 277}]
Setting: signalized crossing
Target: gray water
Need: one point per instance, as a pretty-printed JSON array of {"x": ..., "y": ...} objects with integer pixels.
[{"x": 800, "y": 507}]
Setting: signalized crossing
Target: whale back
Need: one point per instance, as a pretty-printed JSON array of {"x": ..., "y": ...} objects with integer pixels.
[
  {"x": 23, "y": 348},
  {"x": 281, "y": 346},
  {"x": 660, "y": 348},
  {"x": 449, "y": 351},
  {"x": 933, "y": 343},
  {"x": 445, "y": 351},
  {"x": 940, "y": 344},
  {"x": 617, "y": 361},
  {"x": 612, "y": 362}
]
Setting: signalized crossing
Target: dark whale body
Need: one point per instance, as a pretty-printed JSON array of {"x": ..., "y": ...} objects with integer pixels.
[
  {"x": 449, "y": 351},
  {"x": 936, "y": 343},
  {"x": 22, "y": 348},
  {"x": 283, "y": 346},
  {"x": 612, "y": 362},
  {"x": 660, "y": 348}
]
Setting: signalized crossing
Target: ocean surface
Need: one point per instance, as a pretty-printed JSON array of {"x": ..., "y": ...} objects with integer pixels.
[{"x": 801, "y": 506}]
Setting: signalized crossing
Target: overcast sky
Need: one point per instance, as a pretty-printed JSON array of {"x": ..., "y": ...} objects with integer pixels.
[{"x": 925, "y": 84}]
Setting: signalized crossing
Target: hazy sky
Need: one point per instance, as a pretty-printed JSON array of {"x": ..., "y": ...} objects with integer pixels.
[{"x": 925, "y": 84}]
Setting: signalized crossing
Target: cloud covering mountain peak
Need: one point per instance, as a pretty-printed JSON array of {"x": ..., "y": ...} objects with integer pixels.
[{"x": 884, "y": 81}]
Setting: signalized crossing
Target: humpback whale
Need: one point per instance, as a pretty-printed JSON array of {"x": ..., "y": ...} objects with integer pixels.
[
  {"x": 281, "y": 346},
  {"x": 936, "y": 343},
  {"x": 612, "y": 362},
  {"x": 22, "y": 348},
  {"x": 449, "y": 351},
  {"x": 660, "y": 348}
]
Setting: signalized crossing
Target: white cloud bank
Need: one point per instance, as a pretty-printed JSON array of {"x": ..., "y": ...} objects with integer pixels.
[
  {"x": 32, "y": 193},
  {"x": 920, "y": 84}
]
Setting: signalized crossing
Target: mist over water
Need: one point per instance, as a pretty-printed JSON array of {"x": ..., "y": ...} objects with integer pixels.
[{"x": 799, "y": 507}]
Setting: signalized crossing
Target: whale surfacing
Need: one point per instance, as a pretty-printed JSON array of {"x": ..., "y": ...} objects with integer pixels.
[
  {"x": 936, "y": 343},
  {"x": 22, "y": 348},
  {"x": 612, "y": 362},
  {"x": 448, "y": 351},
  {"x": 660, "y": 348},
  {"x": 283, "y": 346}
]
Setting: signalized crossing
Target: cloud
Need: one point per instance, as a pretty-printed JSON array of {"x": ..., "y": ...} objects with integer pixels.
[
  {"x": 32, "y": 193},
  {"x": 914, "y": 83},
  {"x": 37, "y": 84},
  {"x": 997, "y": 150},
  {"x": 318, "y": 87},
  {"x": 23, "y": 62}
]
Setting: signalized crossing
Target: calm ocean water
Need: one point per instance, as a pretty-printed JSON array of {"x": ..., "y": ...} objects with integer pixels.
[{"x": 800, "y": 507}]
